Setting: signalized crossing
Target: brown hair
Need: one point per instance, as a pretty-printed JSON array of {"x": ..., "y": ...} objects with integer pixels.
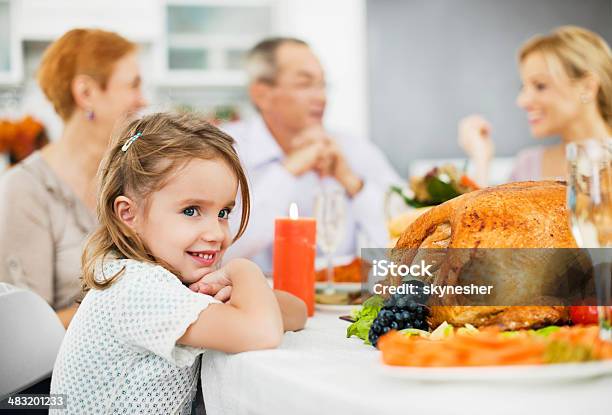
[
  {"x": 89, "y": 52},
  {"x": 166, "y": 143},
  {"x": 580, "y": 52}
]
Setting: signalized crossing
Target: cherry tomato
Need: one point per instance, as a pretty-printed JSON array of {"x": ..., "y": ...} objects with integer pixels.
[{"x": 584, "y": 314}]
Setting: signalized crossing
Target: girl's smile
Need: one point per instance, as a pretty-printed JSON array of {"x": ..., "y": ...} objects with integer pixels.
[{"x": 204, "y": 258}]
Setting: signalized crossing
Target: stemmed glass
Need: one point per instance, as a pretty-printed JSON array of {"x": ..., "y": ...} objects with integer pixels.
[
  {"x": 589, "y": 198},
  {"x": 330, "y": 213}
]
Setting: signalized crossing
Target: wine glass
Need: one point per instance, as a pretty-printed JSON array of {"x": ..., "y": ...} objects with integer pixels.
[
  {"x": 589, "y": 198},
  {"x": 330, "y": 213}
]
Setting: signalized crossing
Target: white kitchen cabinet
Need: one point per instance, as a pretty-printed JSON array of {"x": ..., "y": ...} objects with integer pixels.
[
  {"x": 43, "y": 20},
  {"x": 194, "y": 42},
  {"x": 204, "y": 42},
  {"x": 11, "y": 60},
  {"x": 138, "y": 20}
]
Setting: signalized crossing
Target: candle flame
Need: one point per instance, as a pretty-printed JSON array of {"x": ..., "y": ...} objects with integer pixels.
[{"x": 293, "y": 211}]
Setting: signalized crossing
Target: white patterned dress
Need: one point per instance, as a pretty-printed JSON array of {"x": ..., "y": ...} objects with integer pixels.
[{"x": 120, "y": 355}]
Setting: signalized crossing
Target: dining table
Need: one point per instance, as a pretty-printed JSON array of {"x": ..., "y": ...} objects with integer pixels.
[{"x": 318, "y": 370}]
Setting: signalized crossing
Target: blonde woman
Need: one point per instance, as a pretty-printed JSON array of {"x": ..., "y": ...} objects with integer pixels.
[
  {"x": 566, "y": 92},
  {"x": 47, "y": 202}
]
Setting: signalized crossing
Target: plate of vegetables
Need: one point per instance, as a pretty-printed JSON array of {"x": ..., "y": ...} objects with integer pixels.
[
  {"x": 439, "y": 185},
  {"x": 553, "y": 353},
  {"x": 410, "y": 349}
]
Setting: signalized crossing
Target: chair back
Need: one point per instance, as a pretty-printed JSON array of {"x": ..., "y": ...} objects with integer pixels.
[{"x": 30, "y": 338}]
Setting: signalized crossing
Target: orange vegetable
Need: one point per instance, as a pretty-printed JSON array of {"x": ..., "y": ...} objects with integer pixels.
[
  {"x": 486, "y": 348},
  {"x": 465, "y": 181},
  {"x": 356, "y": 271}
]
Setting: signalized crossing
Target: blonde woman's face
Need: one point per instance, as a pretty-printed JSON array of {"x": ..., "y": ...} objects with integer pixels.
[
  {"x": 186, "y": 223},
  {"x": 551, "y": 99}
]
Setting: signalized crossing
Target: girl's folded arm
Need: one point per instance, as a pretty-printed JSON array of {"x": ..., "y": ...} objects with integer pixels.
[{"x": 250, "y": 320}]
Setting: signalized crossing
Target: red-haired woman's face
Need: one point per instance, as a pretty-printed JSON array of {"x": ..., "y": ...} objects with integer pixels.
[
  {"x": 122, "y": 95},
  {"x": 551, "y": 100}
]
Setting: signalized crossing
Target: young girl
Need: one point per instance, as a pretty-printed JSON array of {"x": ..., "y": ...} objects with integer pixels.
[{"x": 167, "y": 185}]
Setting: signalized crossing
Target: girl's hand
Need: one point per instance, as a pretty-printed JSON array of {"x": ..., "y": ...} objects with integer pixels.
[
  {"x": 250, "y": 320},
  {"x": 216, "y": 284}
]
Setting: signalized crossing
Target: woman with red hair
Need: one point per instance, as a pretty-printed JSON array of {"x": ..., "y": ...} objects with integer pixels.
[{"x": 47, "y": 202}]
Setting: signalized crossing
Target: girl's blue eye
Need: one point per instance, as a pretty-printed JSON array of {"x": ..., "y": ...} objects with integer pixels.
[
  {"x": 224, "y": 213},
  {"x": 540, "y": 86},
  {"x": 190, "y": 211}
]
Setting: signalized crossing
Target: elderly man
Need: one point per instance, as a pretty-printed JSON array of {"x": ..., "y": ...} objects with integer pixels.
[{"x": 291, "y": 157}]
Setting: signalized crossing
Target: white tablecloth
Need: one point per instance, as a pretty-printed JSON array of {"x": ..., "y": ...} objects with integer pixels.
[{"x": 320, "y": 371}]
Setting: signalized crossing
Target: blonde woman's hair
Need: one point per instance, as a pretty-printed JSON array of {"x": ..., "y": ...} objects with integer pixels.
[
  {"x": 580, "y": 52},
  {"x": 166, "y": 143}
]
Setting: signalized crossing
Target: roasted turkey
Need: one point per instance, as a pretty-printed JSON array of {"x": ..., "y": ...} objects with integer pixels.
[{"x": 517, "y": 215}]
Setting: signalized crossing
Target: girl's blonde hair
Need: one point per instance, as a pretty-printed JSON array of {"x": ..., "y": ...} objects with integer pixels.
[
  {"x": 166, "y": 143},
  {"x": 581, "y": 53}
]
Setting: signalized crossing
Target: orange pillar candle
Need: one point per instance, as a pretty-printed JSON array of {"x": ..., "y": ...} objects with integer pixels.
[{"x": 294, "y": 256}]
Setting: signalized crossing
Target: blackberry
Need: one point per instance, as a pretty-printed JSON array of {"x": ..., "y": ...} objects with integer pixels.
[{"x": 398, "y": 313}]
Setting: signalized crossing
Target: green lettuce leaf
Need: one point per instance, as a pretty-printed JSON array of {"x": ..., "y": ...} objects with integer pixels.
[
  {"x": 360, "y": 328},
  {"x": 408, "y": 200},
  {"x": 545, "y": 331},
  {"x": 440, "y": 191},
  {"x": 364, "y": 317}
]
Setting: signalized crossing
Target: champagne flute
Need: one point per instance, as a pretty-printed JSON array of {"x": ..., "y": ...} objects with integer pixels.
[
  {"x": 330, "y": 213},
  {"x": 589, "y": 198}
]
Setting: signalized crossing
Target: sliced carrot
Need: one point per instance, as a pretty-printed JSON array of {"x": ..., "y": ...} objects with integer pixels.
[
  {"x": 488, "y": 347},
  {"x": 465, "y": 181}
]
